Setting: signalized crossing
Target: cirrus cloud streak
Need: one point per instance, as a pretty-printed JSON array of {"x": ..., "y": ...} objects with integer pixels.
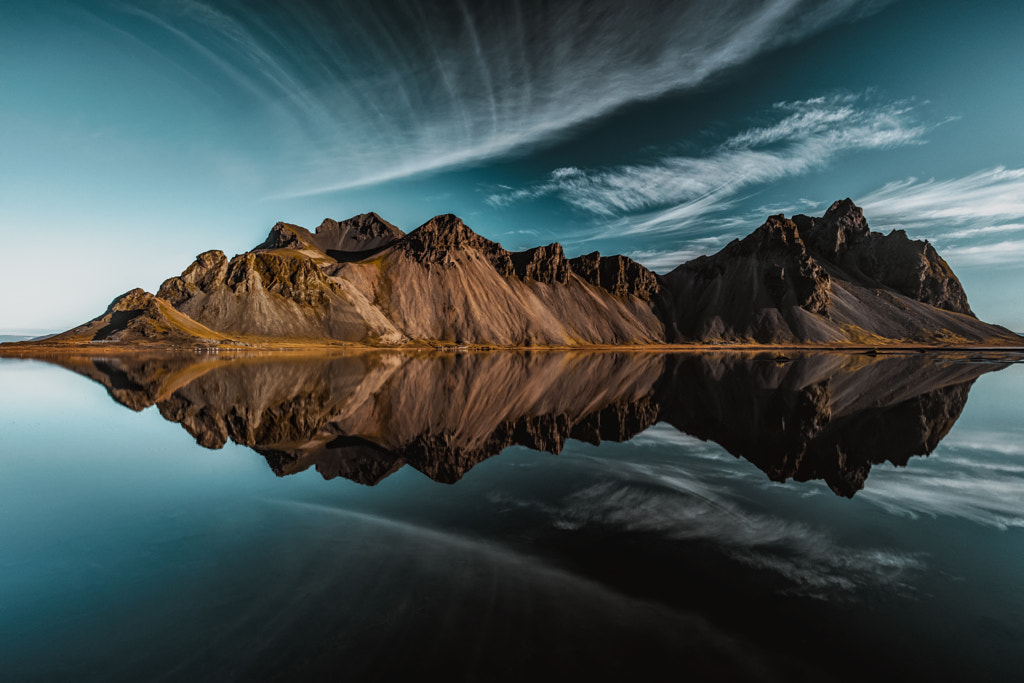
[
  {"x": 662, "y": 197},
  {"x": 352, "y": 94}
]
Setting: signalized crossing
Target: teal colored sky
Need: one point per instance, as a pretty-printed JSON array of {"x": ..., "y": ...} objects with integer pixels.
[{"x": 135, "y": 135}]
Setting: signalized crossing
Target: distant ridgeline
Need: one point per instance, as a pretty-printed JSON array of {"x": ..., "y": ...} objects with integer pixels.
[{"x": 826, "y": 280}]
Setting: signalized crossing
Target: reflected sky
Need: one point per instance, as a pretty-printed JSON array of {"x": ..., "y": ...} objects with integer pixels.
[{"x": 131, "y": 551}]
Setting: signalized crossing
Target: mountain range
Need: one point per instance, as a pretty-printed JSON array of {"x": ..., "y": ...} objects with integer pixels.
[{"x": 801, "y": 280}]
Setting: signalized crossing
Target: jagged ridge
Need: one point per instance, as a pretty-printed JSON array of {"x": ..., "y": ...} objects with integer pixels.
[
  {"x": 827, "y": 280},
  {"x": 821, "y": 280}
]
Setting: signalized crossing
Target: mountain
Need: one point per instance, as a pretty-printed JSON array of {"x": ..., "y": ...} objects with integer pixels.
[
  {"x": 441, "y": 282},
  {"x": 138, "y": 317},
  {"x": 828, "y": 281},
  {"x": 821, "y": 280},
  {"x": 363, "y": 416}
]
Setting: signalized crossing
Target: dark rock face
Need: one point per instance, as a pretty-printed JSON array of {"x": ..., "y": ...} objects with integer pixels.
[
  {"x": 364, "y": 232},
  {"x": 820, "y": 280},
  {"x": 791, "y": 267},
  {"x": 435, "y": 242},
  {"x": 620, "y": 275},
  {"x": 543, "y": 264},
  {"x": 824, "y": 416},
  {"x": 764, "y": 288},
  {"x": 911, "y": 267}
]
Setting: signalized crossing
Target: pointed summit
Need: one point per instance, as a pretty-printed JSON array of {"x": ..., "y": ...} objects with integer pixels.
[
  {"x": 359, "y": 233},
  {"x": 842, "y": 225},
  {"x": 141, "y": 318},
  {"x": 445, "y": 233},
  {"x": 911, "y": 267}
]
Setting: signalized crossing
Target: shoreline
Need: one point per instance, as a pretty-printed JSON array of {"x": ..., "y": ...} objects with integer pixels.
[{"x": 30, "y": 349}]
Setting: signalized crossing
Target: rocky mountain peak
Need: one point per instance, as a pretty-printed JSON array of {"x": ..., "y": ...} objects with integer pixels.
[
  {"x": 447, "y": 226},
  {"x": 842, "y": 226},
  {"x": 436, "y": 240},
  {"x": 620, "y": 275},
  {"x": 911, "y": 267},
  {"x": 209, "y": 268},
  {"x": 543, "y": 264},
  {"x": 287, "y": 236},
  {"x": 779, "y": 230},
  {"x": 359, "y": 233},
  {"x": 134, "y": 300}
]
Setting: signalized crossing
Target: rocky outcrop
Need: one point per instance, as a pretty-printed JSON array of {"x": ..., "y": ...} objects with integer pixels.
[
  {"x": 139, "y": 317},
  {"x": 543, "y": 264},
  {"x": 765, "y": 288},
  {"x": 442, "y": 238},
  {"x": 365, "y": 232},
  {"x": 275, "y": 293},
  {"x": 911, "y": 267},
  {"x": 620, "y": 275},
  {"x": 362, "y": 233}
]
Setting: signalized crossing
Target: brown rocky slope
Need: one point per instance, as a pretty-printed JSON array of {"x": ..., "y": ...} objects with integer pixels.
[{"x": 827, "y": 280}]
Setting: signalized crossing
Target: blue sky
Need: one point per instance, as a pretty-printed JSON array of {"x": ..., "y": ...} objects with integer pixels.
[{"x": 135, "y": 135}]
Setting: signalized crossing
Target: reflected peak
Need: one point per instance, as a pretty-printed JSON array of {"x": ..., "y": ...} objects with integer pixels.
[{"x": 829, "y": 416}]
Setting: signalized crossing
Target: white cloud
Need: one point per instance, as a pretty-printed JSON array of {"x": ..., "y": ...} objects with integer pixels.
[
  {"x": 999, "y": 253},
  {"x": 989, "y": 197},
  {"x": 986, "y": 230},
  {"x": 676, "y": 504},
  {"x": 662, "y": 260},
  {"x": 975, "y": 475},
  {"x": 963, "y": 215},
  {"x": 358, "y": 93},
  {"x": 808, "y": 137}
]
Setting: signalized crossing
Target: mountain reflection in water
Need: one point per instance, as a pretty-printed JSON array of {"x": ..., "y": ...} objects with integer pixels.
[{"x": 363, "y": 416}]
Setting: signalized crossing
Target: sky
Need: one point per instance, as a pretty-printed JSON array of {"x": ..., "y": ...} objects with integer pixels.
[{"x": 135, "y": 135}]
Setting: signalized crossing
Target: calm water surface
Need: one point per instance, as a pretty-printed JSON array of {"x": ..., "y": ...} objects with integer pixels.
[{"x": 504, "y": 516}]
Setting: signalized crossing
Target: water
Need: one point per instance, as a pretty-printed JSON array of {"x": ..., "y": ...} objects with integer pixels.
[{"x": 384, "y": 515}]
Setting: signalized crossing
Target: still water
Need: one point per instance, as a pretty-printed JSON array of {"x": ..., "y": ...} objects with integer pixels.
[{"x": 512, "y": 515}]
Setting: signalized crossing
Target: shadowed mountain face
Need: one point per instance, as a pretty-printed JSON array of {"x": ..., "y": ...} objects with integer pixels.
[
  {"x": 363, "y": 416},
  {"x": 824, "y": 280}
]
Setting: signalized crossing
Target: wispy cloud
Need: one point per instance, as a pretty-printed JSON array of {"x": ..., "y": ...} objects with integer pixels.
[
  {"x": 662, "y": 196},
  {"x": 357, "y": 93},
  {"x": 969, "y": 216},
  {"x": 998, "y": 253},
  {"x": 694, "y": 498},
  {"x": 993, "y": 195},
  {"x": 669, "y": 501},
  {"x": 976, "y": 475},
  {"x": 658, "y": 260}
]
